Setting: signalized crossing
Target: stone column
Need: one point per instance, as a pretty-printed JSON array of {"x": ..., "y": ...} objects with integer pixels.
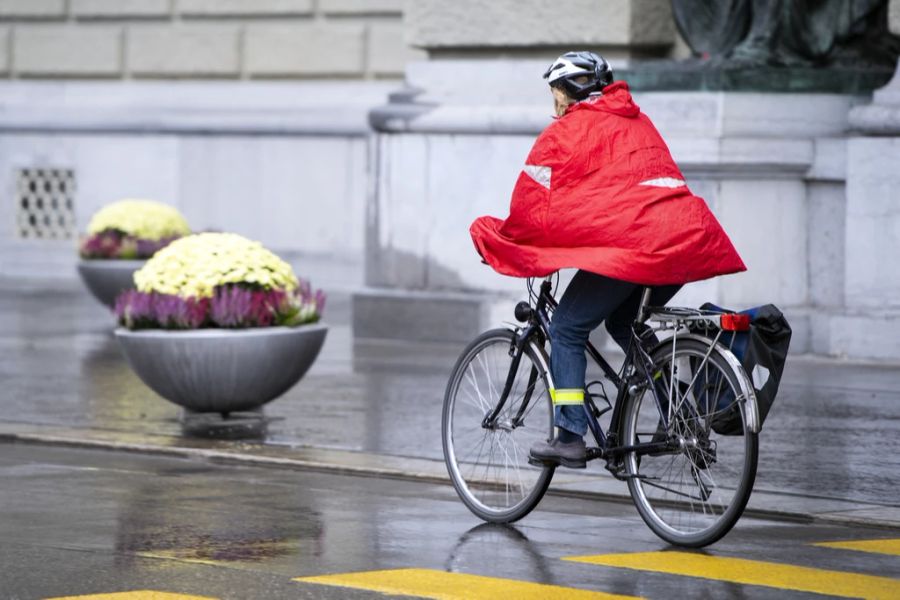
[{"x": 870, "y": 324}]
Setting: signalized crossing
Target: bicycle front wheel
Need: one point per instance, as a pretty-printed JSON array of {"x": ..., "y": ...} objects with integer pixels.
[
  {"x": 693, "y": 494},
  {"x": 488, "y": 464}
]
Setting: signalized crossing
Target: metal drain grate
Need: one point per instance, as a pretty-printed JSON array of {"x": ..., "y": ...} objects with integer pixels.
[{"x": 45, "y": 200}]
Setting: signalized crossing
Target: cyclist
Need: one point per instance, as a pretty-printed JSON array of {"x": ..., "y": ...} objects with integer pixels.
[{"x": 599, "y": 192}]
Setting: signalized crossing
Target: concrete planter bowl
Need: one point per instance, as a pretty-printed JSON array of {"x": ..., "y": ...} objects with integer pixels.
[
  {"x": 107, "y": 278},
  {"x": 222, "y": 370}
]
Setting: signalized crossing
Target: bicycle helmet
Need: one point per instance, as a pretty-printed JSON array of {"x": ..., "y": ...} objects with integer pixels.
[{"x": 573, "y": 65}]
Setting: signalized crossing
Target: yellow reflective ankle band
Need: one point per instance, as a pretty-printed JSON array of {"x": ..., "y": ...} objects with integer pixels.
[{"x": 561, "y": 397}]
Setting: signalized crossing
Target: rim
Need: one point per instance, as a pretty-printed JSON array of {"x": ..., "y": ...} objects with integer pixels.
[
  {"x": 498, "y": 477},
  {"x": 691, "y": 492}
]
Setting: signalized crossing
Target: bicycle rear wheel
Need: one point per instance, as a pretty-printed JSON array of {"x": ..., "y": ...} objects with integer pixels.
[
  {"x": 489, "y": 465},
  {"x": 693, "y": 494}
]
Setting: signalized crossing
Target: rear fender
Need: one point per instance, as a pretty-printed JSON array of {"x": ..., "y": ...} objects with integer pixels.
[{"x": 750, "y": 408}]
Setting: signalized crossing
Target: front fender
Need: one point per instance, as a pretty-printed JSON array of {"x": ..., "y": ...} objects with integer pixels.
[{"x": 541, "y": 356}]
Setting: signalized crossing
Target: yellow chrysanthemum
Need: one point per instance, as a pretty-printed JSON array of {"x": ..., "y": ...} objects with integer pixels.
[
  {"x": 144, "y": 219},
  {"x": 195, "y": 265}
]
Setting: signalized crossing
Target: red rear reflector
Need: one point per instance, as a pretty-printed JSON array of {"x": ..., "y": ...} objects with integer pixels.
[{"x": 736, "y": 322}]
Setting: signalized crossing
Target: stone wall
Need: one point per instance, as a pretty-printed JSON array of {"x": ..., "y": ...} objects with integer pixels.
[
  {"x": 248, "y": 115},
  {"x": 277, "y": 161},
  {"x": 222, "y": 39},
  {"x": 617, "y": 28}
]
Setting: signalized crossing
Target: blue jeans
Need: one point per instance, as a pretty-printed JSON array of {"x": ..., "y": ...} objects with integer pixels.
[{"x": 588, "y": 301}]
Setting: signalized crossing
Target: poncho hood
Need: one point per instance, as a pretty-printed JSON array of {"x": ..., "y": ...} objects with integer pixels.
[{"x": 616, "y": 99}]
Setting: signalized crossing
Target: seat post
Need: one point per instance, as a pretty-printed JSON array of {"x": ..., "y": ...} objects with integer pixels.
[{"x": 645, "y": 302}]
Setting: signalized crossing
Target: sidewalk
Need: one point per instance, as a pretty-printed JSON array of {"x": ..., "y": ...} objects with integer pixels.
[{"x": 830, "y": 449}]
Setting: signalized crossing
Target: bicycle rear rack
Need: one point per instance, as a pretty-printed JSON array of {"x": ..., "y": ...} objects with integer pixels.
[{"x": 676, "y": 317}]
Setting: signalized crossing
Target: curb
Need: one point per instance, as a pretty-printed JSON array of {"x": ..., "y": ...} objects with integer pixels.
[{"x": 763, "y": 504}]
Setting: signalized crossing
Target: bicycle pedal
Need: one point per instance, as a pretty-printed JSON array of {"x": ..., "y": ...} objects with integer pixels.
[{"x": 593, "y": 454}]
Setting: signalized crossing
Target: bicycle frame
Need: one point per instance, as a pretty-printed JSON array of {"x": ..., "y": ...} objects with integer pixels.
[{"x": 636, "y": 376}]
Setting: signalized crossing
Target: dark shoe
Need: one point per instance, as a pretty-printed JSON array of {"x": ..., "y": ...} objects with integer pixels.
[{"x": 572, "y": 455}]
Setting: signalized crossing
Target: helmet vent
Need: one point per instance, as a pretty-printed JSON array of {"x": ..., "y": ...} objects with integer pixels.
[{"x": 579, "y": 74}]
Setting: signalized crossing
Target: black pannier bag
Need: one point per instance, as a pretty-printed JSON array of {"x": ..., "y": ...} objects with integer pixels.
[{"x": 762, "y": 352}]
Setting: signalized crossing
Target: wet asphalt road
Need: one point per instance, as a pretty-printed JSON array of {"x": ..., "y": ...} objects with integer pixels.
[
  {"x": 81, "y": 522},
  {"x": 86, "y": 522},
  {"x": 834, "y": 431}
]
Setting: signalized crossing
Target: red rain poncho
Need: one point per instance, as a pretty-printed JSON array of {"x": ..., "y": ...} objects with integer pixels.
[{"x": 600, "y": 192}]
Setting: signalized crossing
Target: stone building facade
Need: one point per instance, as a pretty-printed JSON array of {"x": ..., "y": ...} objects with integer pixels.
[
  {"x": 249, "y": 115},
  {"x": 219, "y": 39},
  {"x": 361, "y": 137}
]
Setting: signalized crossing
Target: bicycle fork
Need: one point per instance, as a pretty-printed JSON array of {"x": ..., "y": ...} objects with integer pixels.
[{"x": 490, "y": 419}]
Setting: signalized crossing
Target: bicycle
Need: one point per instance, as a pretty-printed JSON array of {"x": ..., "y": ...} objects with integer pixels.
[{"x": 689, "y": 484}]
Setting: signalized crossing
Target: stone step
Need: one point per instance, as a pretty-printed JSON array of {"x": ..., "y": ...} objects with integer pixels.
[{"x": 420, "y": 315}]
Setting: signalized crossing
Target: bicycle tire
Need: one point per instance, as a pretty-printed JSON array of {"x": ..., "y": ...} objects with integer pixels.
[
  {"x": 694, "y": 495},
  {"x": 480, "y": 461}
]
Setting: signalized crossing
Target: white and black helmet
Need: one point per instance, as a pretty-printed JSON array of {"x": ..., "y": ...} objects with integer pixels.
[{"x": 573, "y": 65}]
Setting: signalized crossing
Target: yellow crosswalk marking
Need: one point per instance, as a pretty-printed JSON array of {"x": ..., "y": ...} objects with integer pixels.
[
  {"x": 440, "y": 585},
  {"x": 875, "y": 546},
  {"x": 135, "y": 595},
  {"x": 753, "y": 572}
]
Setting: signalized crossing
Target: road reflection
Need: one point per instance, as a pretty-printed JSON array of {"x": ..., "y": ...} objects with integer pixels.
[
  {"x": 173, "y": 518},
  {"x": 490, "y": 544}
]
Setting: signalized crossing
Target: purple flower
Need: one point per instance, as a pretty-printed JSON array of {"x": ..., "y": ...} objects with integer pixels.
[
  {"x": 105, "y": 244},
  {"x": 236, "y": 306},
  {"x": 134, "y": 310},
  {"x": 232, "y": 306},
  {"x": 141, "y": 310},
  {"x": 173, "y": 312},
  {"x": 299, "y": 306},
  {"x": 111, "y": 243},
  {"x": 147, "y": 248}
]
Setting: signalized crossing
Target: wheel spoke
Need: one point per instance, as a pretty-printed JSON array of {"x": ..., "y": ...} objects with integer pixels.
[
  {"x": 693, "y": 495},
  {"x": 489, "y": 465}
]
